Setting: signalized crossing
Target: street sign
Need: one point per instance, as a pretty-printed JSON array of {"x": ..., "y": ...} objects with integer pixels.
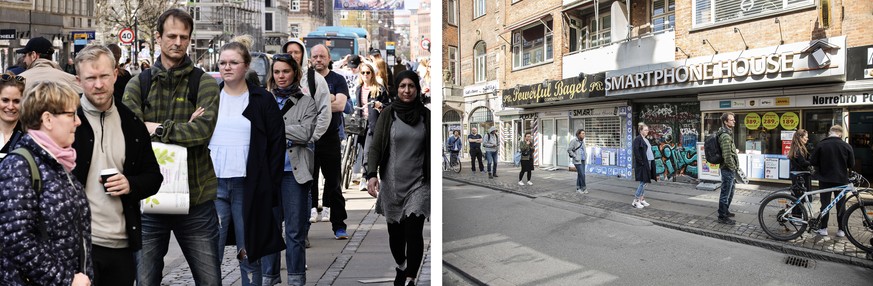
[
  {"x": 126, "y": 36},
  {"x": 7, "y": 34},
  {"x": 425, "y": 44}
]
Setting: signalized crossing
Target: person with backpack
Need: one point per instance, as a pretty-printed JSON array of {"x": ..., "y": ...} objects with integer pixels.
[
  {"x": 644, "y": 164},
  {"x": 728, "y": 167},
  {"x": 454, "y": 145},
  {"x": 179, "y": 105},
  {"x": 577, "y": 153},
  {"x": 491, "y": 144},
  {"x": 41, "y": 197}
]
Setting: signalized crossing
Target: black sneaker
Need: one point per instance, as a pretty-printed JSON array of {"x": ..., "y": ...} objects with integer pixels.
[
  {"x": 730, "y": 214},
  {"x": 400, "y": 279},
  {"x": 495, "y": 175},
  {"x": 726, "y": 221},
  {"x": 410, "y": 283},
  {"x": 490, "y": 176}
]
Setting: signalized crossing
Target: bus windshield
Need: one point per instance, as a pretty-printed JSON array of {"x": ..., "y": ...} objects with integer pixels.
[{"x": 339, "y": 48}]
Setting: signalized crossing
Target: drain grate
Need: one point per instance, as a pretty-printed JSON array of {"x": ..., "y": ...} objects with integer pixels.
[{"x": 800, "y": 262}]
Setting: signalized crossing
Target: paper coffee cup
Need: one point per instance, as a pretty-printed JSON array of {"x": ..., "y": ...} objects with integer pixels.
[{"x": 106, "y": 173}]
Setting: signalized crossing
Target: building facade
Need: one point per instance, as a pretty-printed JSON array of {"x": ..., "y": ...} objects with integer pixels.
[
  {"x": 217, "y": 21},
  {"x": 305, "y": 16},
  {"x": 53, "y": 20}
]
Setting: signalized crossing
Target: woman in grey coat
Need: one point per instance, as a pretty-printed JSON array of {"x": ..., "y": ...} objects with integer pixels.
[{"x": 400, "y": 155}]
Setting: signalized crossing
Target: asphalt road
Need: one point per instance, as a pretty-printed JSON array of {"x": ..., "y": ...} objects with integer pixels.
[{"x": 505, "y": 239}]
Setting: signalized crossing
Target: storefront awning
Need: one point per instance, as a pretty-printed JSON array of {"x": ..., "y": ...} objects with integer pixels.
[{"x": 529, "y": 20}]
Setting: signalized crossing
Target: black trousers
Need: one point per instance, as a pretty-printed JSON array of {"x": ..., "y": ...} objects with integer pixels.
[
  {"x": 113, "y": 266},
  {"x": 407, "y": 243},
  {"x": 476, "y": 154},
  {"x": 327, "y": 160},
  {"x": 826, "y": 200}
]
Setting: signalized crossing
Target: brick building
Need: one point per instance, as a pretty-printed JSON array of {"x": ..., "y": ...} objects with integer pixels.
[{"x": 676, "y": 65}]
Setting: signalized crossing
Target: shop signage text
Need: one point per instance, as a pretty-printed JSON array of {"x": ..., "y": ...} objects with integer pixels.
[
  {"x": 594, "y": 112},
  {"x": 842, "y": 99},
  {"x": 483, "y": 88},
  {"x": 702, "y": 72},
  {"x": 554, "y": 91}
]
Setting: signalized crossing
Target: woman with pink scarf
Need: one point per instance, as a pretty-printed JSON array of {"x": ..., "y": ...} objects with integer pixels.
[{"x": 45, "y": 230}]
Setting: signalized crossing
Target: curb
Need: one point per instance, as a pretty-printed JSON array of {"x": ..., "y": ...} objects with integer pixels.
[{"x": 775, "y": 246}]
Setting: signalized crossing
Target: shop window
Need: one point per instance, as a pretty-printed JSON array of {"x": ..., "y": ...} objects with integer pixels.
[
  {"x": 481, "y": 114},
  {"x": 480, "y": 57},
  {"x": 604, "y": 132},
  {"x": 818, "y": 122},
  {"x": 532, "y": 45},
  {"x": 451, "y": 116},
  {"x": 663, "y": 15},
  {"x": 714, "y": 12}
]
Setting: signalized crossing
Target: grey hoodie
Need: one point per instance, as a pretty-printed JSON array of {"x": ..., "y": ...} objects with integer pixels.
[{"x": 321, "y": 96}]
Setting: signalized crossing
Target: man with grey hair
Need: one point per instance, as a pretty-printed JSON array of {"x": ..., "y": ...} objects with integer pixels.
[
  {"x": 832, "y": 159},
  {"x": 111, "y": 137}
]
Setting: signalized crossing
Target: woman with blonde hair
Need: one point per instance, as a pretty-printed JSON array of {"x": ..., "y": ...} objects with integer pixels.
[
  {"x": 644, "y": 165},
  {"x": 45, "y": 220},
  {"x": 382, "y": 68}
]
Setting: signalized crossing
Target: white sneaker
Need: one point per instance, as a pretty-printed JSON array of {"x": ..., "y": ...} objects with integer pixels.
[
  {"x": 520, "y": 183},
  {"x": 822, "y": 232},
  {"x": 313, "y": 215},
  {"x": 325, "y": 214},
  {"x": 529, "y": 183},
  {"x": 637, "y": 204},
  {"x": 579, "y": 191},
  {"x": 841, "y": 233},
  {"x": 644, "y": 203},
  {"x": 585, "y": 190}
]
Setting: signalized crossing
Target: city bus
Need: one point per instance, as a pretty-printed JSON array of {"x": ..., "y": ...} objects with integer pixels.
[{"x": 342, "y": 41}]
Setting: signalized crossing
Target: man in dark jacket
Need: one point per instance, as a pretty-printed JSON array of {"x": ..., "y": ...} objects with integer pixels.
[
  {"x": 728, "y": 169},
  {"x": 122, "y": 143},
  {"x": 832, "y": 158}
]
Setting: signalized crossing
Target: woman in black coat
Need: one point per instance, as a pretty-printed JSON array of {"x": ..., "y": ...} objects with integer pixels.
[
  {"x": 644, "y": 164},
  {"x": 798, "y": 156}
]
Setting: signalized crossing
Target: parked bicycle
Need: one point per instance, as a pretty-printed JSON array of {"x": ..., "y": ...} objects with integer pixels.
[
  {"x": 356, "y": 126},
  {"x": 451, "y": 162},
  {"x": 784, "y": 216}
]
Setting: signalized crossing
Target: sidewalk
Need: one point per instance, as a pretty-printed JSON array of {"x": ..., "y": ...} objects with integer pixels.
[
  {"x": 363, "y": 259},
  {"x": 674, "y": 205}
]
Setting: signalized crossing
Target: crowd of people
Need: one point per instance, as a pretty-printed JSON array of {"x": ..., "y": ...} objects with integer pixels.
[{"x": 77, "y": 159}]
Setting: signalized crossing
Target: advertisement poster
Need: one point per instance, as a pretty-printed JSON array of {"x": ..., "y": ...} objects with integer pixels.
[
  {"x": 708, "y": 172},
  {"x": 771, "y": 168}
]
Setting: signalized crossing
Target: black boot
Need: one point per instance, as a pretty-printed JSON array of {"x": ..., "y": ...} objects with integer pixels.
[{"x": 400, "y": 279}]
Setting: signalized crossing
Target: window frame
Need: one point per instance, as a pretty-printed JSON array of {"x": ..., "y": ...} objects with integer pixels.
[
  {"x": 519, "y": 56},
  {"x": 786, "y": 8},
  {"x": 294, "y": 6},
  {"x": 480, "y": 62},
  {"x": 666, "y": 16},
  {"x": 451, "y": 12},
  {"x": 272, "y": 24},
  {"x": 479, "y": 8},
  {"x": 454, "y": 64}
]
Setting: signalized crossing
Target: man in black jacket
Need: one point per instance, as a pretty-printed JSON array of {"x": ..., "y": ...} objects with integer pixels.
[
  {"x": 112, "y": 137},
  {"x": 832, "y": 158}
]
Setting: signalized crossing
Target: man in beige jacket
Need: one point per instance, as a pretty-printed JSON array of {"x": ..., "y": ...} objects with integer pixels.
[{"x": 38, "y": 57}]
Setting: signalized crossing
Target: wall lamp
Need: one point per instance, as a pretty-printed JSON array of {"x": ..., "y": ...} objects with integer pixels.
[
  {"x": 737, "y": 31},
  {"x": 781, "y": 40},
  {"x": 581, "y": 76},
  {"x": 707, "y": 42},
  {"x": 678, "y": 49}
]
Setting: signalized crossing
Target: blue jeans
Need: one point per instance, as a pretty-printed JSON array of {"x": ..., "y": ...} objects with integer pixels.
[
  {"x": 229, "y": 205},
  {"x": 641, "y": 191},
  {"x": 491, "y": 157},
  {"x": 580, "y": 176},
  {"x": 295, "y": 211},
  {"x": 197, "y": 234},
  {"x": 727, "y": 192}
]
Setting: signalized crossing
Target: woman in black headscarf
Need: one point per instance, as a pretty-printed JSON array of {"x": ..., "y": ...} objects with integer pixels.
[{"x": 400, "y": 155}]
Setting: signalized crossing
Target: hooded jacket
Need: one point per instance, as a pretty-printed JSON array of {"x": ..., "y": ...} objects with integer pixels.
[
  {"x": 169, "y": 106},
  {"x": 321, "y": 94},
  {"x": 46, "y": 70},
  {"x": 492, "y": 140}
]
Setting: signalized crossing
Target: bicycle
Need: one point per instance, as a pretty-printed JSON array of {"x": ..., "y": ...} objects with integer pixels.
[
  {"x": 452, "y": 163},
  {"x": 780, "y": 219},
  {"x": 355, "y": 126}
]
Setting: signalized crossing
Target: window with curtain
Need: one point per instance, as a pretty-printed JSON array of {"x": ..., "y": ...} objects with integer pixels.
[{"x": 714, "y": 12}]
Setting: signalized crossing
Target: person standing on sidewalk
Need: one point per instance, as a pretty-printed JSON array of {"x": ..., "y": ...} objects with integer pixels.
[
  {"x": 475, "y": 140},
  {"x": 832, "y": 158},
  {"x": 798, "y": 156},
  {"x": 400, "y": 157},
  {"x": 491, "y": 144},
  {"x": 247, "y": 150},
  {"x": 728, "y": 168},
  {"x": 526, "y": 148},
  {"x": 188, "y": 122},
  {"x": 454, "y": 145},
  {"x": 577, "y": 153},
  {"x": 644, "y": 164},
  {"x": 111, "y": 137}
]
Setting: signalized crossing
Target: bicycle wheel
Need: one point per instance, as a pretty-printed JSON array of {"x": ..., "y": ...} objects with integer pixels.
[
  {"x": 445, "y": 164},
  {"x": 456, "y": 165},
  {"x": 858, "y": 221},
  {"x": 774, "y": 213},
  {"x": 345, "y": 160}
]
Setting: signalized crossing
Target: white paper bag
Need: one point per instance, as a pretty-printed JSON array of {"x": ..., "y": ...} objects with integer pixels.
[{"x": 173, "y": 197}]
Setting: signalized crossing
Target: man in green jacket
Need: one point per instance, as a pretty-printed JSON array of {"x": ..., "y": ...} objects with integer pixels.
[
  {"x": 171, "y": 117},
  {"x": 728, "y": 167}
]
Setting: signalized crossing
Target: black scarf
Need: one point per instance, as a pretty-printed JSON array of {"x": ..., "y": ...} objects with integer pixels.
[
  {"x": 409, "y": 113},
  {"x": 291, "y": 90}
]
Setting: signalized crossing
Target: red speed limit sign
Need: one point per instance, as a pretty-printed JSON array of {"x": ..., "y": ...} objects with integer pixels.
[{"x": 126, "y": 36}]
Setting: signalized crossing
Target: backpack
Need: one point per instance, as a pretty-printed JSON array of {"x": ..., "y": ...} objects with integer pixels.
[
  {"x": 712, "y": 149},
  {"x": 145, "y": 85},
  {"x": 36, "y": 184}
]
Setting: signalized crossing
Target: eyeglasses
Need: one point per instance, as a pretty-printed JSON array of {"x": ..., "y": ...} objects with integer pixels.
[
  {"x": 70, "y": 113},
  {"x": 230, "y": 63},
  {"x": 280, "y": 57},
  {"x": 365, "y": 72},
  {"x": 9, "y": 77}
]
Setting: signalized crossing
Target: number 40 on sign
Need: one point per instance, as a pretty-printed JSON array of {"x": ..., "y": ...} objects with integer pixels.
[{"x": 126, "y": 36}]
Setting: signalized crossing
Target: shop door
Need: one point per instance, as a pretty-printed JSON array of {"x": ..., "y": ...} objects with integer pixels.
[
  {"x": 563, "y": 140},
  {"x": 860, "y": 130},
  {"x": 547, "y": 150}
]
